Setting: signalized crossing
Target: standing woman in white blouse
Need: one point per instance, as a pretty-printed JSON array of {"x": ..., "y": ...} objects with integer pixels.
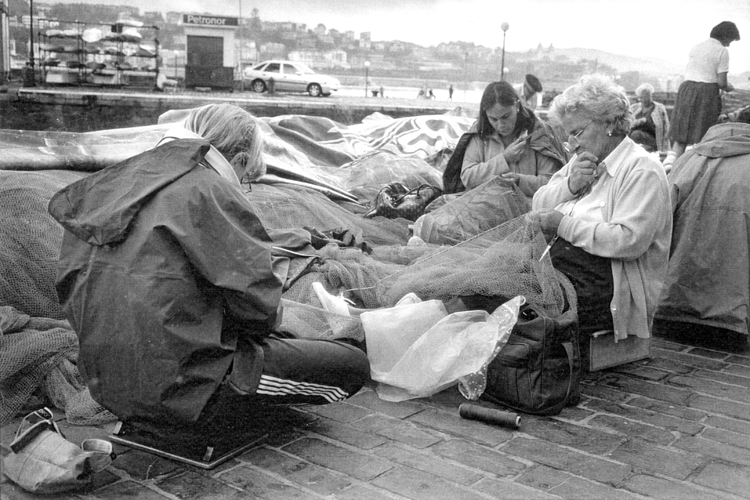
[{"x": 698, "y": 104}]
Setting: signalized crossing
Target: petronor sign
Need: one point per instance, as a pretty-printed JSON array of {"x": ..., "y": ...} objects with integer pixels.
[{"x": 209, "y": 20}]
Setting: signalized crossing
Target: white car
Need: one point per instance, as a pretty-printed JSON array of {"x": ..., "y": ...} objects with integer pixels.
[{"x": 291, "y": 77}]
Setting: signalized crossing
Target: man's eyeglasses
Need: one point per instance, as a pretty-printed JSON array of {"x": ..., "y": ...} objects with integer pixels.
[{"x": 572, "y": 143}]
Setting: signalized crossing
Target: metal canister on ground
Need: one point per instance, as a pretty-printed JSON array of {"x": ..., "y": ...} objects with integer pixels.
[{"x": 489, "y": 415}]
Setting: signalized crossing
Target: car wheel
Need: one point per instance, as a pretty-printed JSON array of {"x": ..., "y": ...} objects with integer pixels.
[
  {"x": 327, "y": 95},
  {"x": 314, "y": 89},
  {"x": 258, "y": 86}
]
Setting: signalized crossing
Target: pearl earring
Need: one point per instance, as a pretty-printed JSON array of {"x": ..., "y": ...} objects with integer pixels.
[{"x": 609, "y": 133}]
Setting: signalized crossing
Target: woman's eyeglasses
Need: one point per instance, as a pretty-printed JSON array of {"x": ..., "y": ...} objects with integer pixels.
[{"x": 572, "y": 143}]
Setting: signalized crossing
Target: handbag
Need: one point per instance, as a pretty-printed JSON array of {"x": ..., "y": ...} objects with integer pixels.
[
  {"x": 396, "y": 200},
  {"x": 538, "y": 370},
  {"x": 43, "y": 461}
]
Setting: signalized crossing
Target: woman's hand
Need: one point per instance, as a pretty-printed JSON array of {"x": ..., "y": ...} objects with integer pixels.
[
  {"x": 583, "y": 172},
  {"x": 549, "y": 221},
  {"x": 514, "y": 151},
  {"x": 512, "y": 177}
]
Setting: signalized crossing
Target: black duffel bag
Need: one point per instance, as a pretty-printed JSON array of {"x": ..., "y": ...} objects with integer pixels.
[{"x": 539, "y": 369}]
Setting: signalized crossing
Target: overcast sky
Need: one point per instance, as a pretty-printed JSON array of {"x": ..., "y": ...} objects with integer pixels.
[{"x": 664, "y": 29}]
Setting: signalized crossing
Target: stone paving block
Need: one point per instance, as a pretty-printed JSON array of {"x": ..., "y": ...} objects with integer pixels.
[
  {"x": 726, "y": 378},
  {"x": 648, "y": 457},
  {"x": 348, "y": 434},
  {"x": 729, "y": 424},
  {"x": 646, "y": 372},
  {"x": 720, "y": 406},
  {"x": 190, "y": 485},
  {"x": 581, "y": 489},
  {"x": 357, "y": 465},
  {"x": 305, "y": 474},
  {"x": 11, "y": 491},
  {"x": 543, "y": 477},
  {"x": 479, "y": 457},
  {"x": 708, "y": 448},
  {"x": 361, "y": 492},
  {"x": 669, "y": 365},
  {"x": 648, "y": 389},
  {"x": 142, "y": 465},
  {"x": 708, "y": 353},
  {"x": 712, "y": 388},
  {"x": 735, "y": 480},
  {"x": 369, "y": 399},
  {"x": 129, "y": 490},
  {"x": 631, "y": 428},
  {"x": 398, "y": 430},
  {"x": 428, "y": 463},
  {"x": 648, "y": 417},
  {"x": 103, "y": 478},
  {"x": 739, "y": 360},
  {"x": 509, "y": 490},
  {"x": 739, "y": 370},
  {"x": 575, "y": 413},
  {"x": 576, "y": 436},
  {"x": 606, "y": 393},
  {"x": 666, "y": 489},
  {"x": 693, "y": 361},
  {"x": 679, "y": 411},
  {"x": 557, "y": 457},
  {"x": 256, "y": 484},
  {"x": 449, "y": 399},
  {"x": 341, "y": 412},
  {"x": 660, "y": 343},
  {"x": 728, "y": 437},
  {"x": 417, "y": 485},
  {"x": 451, "y": 423}
]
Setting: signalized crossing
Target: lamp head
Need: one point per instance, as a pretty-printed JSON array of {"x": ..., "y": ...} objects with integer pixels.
[{"x": 504, "y": 27}]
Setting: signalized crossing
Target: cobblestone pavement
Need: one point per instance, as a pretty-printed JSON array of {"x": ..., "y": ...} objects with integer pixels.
[{"x": 676, "y": 426}]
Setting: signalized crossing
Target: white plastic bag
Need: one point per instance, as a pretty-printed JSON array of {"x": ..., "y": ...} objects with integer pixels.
[{"x": 413, "y": 355}]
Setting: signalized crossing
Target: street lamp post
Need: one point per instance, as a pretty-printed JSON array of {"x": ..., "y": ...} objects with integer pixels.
[
  {"x": 503, "y": 27},
  {"x": 32, "y": 78},
  {"x": 242, "y": 80},
  {"x": 367, "y": 76},
  {"x": 176, "y": 53}
]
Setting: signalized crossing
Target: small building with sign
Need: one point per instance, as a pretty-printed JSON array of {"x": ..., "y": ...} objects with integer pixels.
[{"x": 210, "y": 50}]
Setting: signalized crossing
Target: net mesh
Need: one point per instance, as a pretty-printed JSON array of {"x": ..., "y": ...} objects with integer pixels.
[
  {"x": 38, "y": 349},
  {"x": 30, "y": 240},
  {"x": 504, "y": 262}
]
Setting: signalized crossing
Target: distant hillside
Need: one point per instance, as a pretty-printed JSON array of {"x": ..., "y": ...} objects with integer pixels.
[{"x": 647, "y": 65}]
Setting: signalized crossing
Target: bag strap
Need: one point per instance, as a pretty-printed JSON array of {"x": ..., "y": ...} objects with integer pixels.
[
  {"x": 417, "y": 189},
  {"x": 568, "y": 346}
]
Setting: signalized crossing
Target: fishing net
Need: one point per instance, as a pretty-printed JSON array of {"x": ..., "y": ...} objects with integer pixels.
[
  {"x": 30, "y": 240},
  {"x": 504, "y": 262},
  {"x": 497, "y": 265}
]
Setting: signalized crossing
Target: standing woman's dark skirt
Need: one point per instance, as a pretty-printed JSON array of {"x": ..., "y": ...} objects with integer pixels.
[{"x": 696, "y": 109}]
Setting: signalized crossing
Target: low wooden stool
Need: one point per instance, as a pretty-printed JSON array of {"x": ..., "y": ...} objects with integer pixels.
[{"x": 603, "y": 352}]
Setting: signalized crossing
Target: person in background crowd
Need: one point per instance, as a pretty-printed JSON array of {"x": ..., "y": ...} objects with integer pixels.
[
  {"x": 450, "y": 92},
  {"x": 509, "y": 140},
  {"x": 606, "y": 214},
  {"x": 173, "y": 286},
  {"x": 529, "y": 91},
  {"x": 650, "y": 126},
  {"x": 698, "y": 102}
]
